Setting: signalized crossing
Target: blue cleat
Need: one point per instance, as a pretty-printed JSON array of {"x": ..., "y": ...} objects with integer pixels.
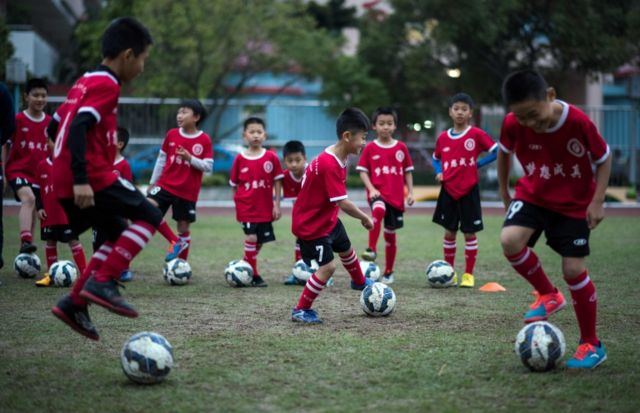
[
  {"x": 175, "y": 249},
  {"x": 305, "y": 316},
  {"x": 291, "y": 280},
  {"x": 126, "y": 276},
  {"x": 367, "y": 281},
  {"x": 587, "y": 356}
]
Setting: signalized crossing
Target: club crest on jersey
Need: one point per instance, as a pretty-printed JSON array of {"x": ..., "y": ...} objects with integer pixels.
[
  {"x": 197, "y": 149},
  {"x": 575, "y": 148},
  {"x": 469, "y": 144},
  {"x": 399, "y": 155},
  {"x": 268, "y": 166}
]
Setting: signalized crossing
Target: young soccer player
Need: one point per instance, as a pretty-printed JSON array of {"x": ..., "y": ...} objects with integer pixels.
[
  {"x": 456, "y": 163},
  {"x": 92, "y": 195},
  {"x": 385, "y": 167},
  {"x": 53, "y": 221},
  {"x": 255, "y": 174},
  {"x": 567, "y": 166},
  {"x": 25, "y": 150},
  {"x": 315, "y": 214},
  {"x": 185, "y": 155}
]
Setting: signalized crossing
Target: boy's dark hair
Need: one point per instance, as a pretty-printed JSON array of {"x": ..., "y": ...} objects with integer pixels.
[
  {"x": 352, "y": 120},
  {"x": 524, "y": 85},
  {"x": 461, "y": 98},
  {"x": 253, "y": 119},
  {"x": 293, "y": 147},
  {"x": 384, "y": 110},
  {"x": 196, "y": 107},
  {"x": 35, "y": 83},
  {"x": 123, "y": 136},
  {"x": 125, "y": 33}
]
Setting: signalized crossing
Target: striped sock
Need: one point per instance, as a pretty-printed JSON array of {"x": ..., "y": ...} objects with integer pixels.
[
  {"x": 311, "y": 290},
  {"x": 129, "y": 244}
]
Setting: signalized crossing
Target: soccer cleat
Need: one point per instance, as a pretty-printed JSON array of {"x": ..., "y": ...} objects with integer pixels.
[
  {"x": 587, "y": 356},
  {"x": 369, "y": 255},
  {"x": 175, "y": 249},
  {"x": 467, "y": 281},
  {"x": 291, "y": 280},
  {"x": 388, "y": 278},
  {"x": 305, "y": 316},
  {"x": 45, "y": 281},
  {"x": 258, "y": 281},
  {"x": 107, "y": 295},
  {"x": 367, "y": 281},
  {"x": 126, "y": 276},
  {"x": 76, "y": 317},
  {"x": 28, "y": 248},
  {"x": 544, "y": 306}
]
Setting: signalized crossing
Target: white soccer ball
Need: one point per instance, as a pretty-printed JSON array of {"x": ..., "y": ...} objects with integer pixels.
[
  {"x": 302, "y": 272},
  {"x": 540, "y": 346},
  {"x": 370, "y": 270},
  {"x": 377, "y": 300},
  {"x": 238, "y": 273},
  {"x": 440, "y": 274},
  {"x": 146, "y": 358},
  {"x": 27, "y": 265},
  {"x": 176, "y": 272},
  {"x": 63, "y": 273}
]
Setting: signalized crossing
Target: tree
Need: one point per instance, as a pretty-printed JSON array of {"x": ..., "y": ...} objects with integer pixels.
[
  {"x": 333, "y": 15},
  {"x": 6, "y": 48}
]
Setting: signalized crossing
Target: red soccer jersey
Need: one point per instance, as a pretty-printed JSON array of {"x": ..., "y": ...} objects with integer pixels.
[
  {"x": 253, "y": 177},
  {"x": 386, "y": 166},
  {"x": 315, "y": 212},
  {"x": 28, "y": 146},
  {"x": 458, "y": 154},
  {"x": 290, "y": 186},
  {"x": 44, "y": 180},
  {"x": 95, "y": 93},
  {"x": 179, "y": 177},
  {"x": 558, "y": 164},
  {"x": 122, "y": 168}
]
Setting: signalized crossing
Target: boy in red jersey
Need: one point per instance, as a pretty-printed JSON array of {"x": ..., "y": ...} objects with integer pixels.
[
  {"x": 25, "y": 150},
  {"x": 185, "y": 155},
  {"x": 385, "y": 167},
  {"x": 315, "y": 214},
  {"x": 92, "y": 195},
  {"x": 255, "y": 174},
  {"x": 53, "y": 221},
  {"x": 567, "y": 166},
  {"x": 456, "y": 163}
]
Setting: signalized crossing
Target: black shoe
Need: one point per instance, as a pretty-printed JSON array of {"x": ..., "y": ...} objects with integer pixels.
[
  {"x": 28, "y": 248},
  {"x": 107, "y": 295},
  {"x": 258, "y": 282},
  {"x": 76, "y": 317}
]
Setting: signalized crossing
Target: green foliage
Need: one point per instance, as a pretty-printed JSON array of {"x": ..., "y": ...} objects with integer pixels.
[
  {"x": 333, "y": 15},
  {"x": 6, "y": 48},
  {"x": 354, "y": 181},
  {"x": 215, "y": 180}
]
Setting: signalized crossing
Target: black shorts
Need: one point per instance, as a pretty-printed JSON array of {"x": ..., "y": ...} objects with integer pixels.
[
  {"x": 393, "y": 217},
  {"x": 18, "y": 183},
  {"x": 263, "y": 230},
  {"x": 567, "y": 236},
  {"x": 59, "y": 233},
  {"x": 181, "y": 209},
  {"x": 322, "y": 249},
  {"x": 464, "y": 213}
]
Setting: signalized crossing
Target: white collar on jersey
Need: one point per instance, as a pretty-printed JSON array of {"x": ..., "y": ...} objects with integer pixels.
[
  {"x": 343, "y": 165},
  {"x": 563, "y": 117},
  {"x": 458, "y": 135},
  {"x": 294, "y": 177},
  {"x": 244, "y": 155},
  {"x": 393, "y": 143},
  {"x": 189, "y": 135},
  {"x": 32, "y": 119}
]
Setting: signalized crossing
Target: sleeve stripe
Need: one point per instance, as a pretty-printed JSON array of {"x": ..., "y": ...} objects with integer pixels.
[
  {"x": 56, "y": 117},
  {"x": 232, "y": 183},
  {"x": 362, "y": 168},
  {"x": 91, "y": 110},
  {"x": 338, "y": 198},
  {"x": 409, "y": 169},
  {"x": 603, "y": 158},
  {"x": 504, "y": 149},
  {"x": 495, "y": 145},
  {"x": 278, "y": 177}
]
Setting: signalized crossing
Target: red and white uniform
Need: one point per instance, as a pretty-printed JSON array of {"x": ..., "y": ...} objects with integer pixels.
[
  {"x": 558, "y": 164},
  {"x": 386, "y": 166},
  {"x": 44, "y": 181},
  {"x": 180, "y": 177},
  {"x": 253, "y": 177},
  {"x": 95, "y": 93},
  {"x": 122, "y": 168},
  {"x": 459, "y": 154},
  {"x": 28, "y": 146},
  {"x": 315, "y": 212},
  {"x": 290, "y": 186}
]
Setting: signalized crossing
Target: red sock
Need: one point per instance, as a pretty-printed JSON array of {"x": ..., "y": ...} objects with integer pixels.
[
  {"x": 377, "y": 210},
  {"x": 312, "y": 288},
  {"x": 390, "y": 249},
  {"x": 78, "y": 256},
  {"x": 298, "y": 254},
  {"x": 26, "y": 236},
  {"x": 51, "y": 252},
  {"x": 128, "y": 245},
  {"x": 251, "y": 255},
  {"x": 352, "y": 265},
  {"x": 185, "y": 237},
  {"x": 470, "y": 253},
  {"x": 97, "y": 259},
  {"x": 449, "y": 247},
  {"x": 165, "y": 230},
  {"x": 528, "y": 265},
  {"x": 585, "y": 304}
]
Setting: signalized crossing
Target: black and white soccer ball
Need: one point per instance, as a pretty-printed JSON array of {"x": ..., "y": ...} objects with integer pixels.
[
  {"x": 377, "y": 300},
  {"x": 146, "y": 358},
  {"x": 63, "y": 273},
  {"x": 302, "y": 272},
  {"x": 27, "y": 265},
  {"x": 441, "y": 275},
  {"x": 540, "y": 346},
  {"x": 370, "y": 270},
  {"x": 238, "y": 273},
  {"x": 176, "y": 272}
]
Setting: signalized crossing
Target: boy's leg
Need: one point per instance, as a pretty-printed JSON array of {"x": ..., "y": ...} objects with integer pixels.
[
  {"x": 585, "y": 299},
  {"x": 251, "y": 247},
  {"x": 77, "y": 252},
  {"x": 185, "y": 238},
  {"x": 449, "y": 246},
  {"x": 51, "y": 252},
  {"x": 470, "y": 252},
  {"x": 378, "y": 211},
  {"x": 315, "y": 285},
  {"x": 297, "y": 256},
  {"x": 390, "y": 249},
  {"x": 25, "y": 218},
  {"x": 321, "y": 251}
]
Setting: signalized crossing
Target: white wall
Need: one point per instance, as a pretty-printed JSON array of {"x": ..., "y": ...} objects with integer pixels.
[{"x": 39, "y": 57}]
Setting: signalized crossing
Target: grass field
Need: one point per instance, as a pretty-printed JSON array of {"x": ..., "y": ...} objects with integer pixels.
[{"x": 237, "y": 350}]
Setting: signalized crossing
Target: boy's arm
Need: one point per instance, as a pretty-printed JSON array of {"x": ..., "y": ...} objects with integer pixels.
[
  {"x": 373, "y": 192},
  {"x": 595, "y": 210},
  {"x": 82, "y": 192},
  {"x": 504, "y": 165},
  {"x": 408, "y": 180},
  {"x": 352, "y": 210},
  {"x": 490, "y": 157},
  {"x": 276, "y": 201},
  {"x": 159, "y": 166}
]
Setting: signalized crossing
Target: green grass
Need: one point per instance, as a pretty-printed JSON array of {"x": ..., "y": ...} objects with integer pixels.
[{"x": 237, "y": 350}]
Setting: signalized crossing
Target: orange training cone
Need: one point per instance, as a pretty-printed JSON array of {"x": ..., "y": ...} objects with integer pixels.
[{"x": 492, "y": 288}]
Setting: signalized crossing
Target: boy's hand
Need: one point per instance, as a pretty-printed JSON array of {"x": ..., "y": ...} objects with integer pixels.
[
  {"x": 410, "y": 199},
  {"x": 595, "y": 213},
  {"x": 374, "y": 193},
  {"x": 276, "y": 212},
  {"x": 439, "y": 177},
  {"x": 83, "y": 196},
  {"x": 367, "y": 222},
  {"x": 42, "y": 214},
  {"x": 183, "y": 153},
  {"x": 506, "y": 199}
]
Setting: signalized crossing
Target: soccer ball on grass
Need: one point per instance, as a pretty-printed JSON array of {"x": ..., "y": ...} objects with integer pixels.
[
  {"x": 377, "y": 300},
  {"x": 63, "y": 273},
  {"x": 540, "y": 346},
  {"x": 27, "y": 265},
  {"x": 441, "y": 275},
  {"x": 146, "y": 358},
  {"x": 177, "y": 272},
  {"x": 238, "y": 273}
]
